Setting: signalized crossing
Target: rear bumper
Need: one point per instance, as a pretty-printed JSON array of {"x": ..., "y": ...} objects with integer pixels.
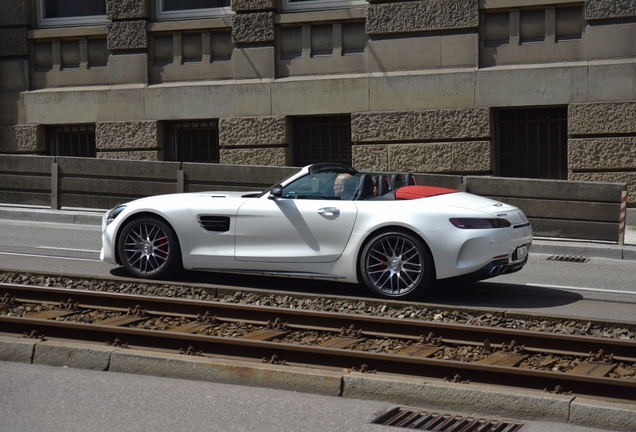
[{"x": 499, "y": 267}]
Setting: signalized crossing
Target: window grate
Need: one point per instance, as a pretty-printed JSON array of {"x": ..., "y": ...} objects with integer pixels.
[
  {"x": 448, "y": 422},
  {"x": 532, "y": 143},
  {"x": 191, "y": 141},
  {"x": 74, "y": 140},
  {"x": 321, "y": 139}
]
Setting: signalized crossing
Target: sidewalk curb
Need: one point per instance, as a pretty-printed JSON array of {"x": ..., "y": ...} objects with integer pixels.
[
  {"x": 80, "y": 217},
  {"x": 477, "y": 399}
]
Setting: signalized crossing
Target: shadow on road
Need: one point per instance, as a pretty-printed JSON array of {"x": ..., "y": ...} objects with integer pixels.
[{"x": 478, "y": 294}]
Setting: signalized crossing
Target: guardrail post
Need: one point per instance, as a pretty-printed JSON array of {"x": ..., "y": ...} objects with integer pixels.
[
  {"x": 55, "y": 186},
  {"x": 623, "y": 215},
  {"x": 180, "y": 181}
]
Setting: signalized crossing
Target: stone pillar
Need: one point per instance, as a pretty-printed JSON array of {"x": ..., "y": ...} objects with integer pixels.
[
  {"x": 602, "y": 143},
  {"x": 128, "y": 41},
  {"x": 253, "y": 34},
  {"x": 15, "y": 18},
  {"x": 254, "y": 141},
  {"x": 130, "y": 140},
  {"x": 428, "y": 141}
]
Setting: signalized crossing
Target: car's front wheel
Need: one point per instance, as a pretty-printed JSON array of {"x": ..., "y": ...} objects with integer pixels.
[
  {"x": 396, "y": 265},
  {"x": 148, "y": 248}
]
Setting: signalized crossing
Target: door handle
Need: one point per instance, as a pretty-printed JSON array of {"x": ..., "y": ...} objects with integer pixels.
[{"x": 329, "y": 211}]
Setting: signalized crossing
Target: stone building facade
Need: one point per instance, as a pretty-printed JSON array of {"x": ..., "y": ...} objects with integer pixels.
[{"x": 518, "y": 88}]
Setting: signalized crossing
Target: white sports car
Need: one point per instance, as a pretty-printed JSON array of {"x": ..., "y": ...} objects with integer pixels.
[{"x": 328, "y": 222}]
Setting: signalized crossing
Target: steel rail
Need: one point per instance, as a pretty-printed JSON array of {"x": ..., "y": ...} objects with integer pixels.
[
  {"x": 450, "y": 333},
  {"x": 325, "y": 357}
]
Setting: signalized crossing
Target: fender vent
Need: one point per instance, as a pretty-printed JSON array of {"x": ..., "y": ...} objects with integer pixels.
[
  {"x": 215, "y": 223},
  {"x": 448, "y": 422}
]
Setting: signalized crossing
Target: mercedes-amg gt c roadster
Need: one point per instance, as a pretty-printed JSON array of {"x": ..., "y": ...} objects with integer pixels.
[{"x": 326, "y": 222}]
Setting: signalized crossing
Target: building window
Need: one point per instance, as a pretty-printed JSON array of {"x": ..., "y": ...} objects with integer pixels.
[
  {"x": 169, "y": 10},
  {"x": 77, "y": 141},
  {"x": 321, "y": 139},
  {"x": 191, "y": 141},
  {"x": 308, "y": 5},
  {"x": 69, "y": 13},
  {"x": 532, "y": 143}
]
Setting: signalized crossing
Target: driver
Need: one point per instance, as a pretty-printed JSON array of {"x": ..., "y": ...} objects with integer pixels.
[{"x": 345, "y": 186}]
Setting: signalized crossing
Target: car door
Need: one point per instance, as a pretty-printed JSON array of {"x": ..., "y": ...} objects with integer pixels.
[{"x": 293, "y": 230}]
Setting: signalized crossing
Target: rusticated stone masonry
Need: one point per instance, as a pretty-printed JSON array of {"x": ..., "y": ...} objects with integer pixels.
[
  {"x": 422, "y": 15},
  {"x": 437, "y": 124},
  {"x": 253, "y": 27},
  {"x": 126, "y": 9},
  {"x": 605, "y": 9},
  {"x": 14, "y": 42},
  {"x": 253, "y": 140},
  {"x": 126, "y": 35},
  {"x": 442, "y": 157},
  {"x": 602, "y": 118},
  {"x": 252, "y": 131},
  {"x": 253, "y": 156},
  {"x": 15, "y": 12},
  {"x": 26, "y": 138},
  {"x": 253, "y": 5},
  {"x": 602, "y": 143},
  {"x": 127, "y": 135}
]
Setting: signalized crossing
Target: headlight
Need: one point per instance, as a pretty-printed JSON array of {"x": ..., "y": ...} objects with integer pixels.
[
  {"x": 479, "y": 223},
  {"x": 112, "y": 214}
]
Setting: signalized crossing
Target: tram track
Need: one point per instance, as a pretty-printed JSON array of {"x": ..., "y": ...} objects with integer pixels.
[{"x": 323, "y": 339}]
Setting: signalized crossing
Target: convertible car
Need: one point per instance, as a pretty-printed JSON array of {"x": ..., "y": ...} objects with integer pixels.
[{"x": 328, "y": 222}]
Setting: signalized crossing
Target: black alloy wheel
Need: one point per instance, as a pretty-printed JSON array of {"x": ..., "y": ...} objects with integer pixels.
[
  {"x": 148, "y": 248},
  {"x": 397, "y": 265}
]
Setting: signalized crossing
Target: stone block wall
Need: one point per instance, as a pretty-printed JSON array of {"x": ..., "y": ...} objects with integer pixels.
[
  {"x": 254, "y": 140},
  {"x": 438, "y": 141},
  {"x": 602, "y": 143},
  {"x": 422, "y": 15},
  {"x": 132, "y": 140},
  {"x": 26, "y": 138},
  {"x": 606, "y": 9}
]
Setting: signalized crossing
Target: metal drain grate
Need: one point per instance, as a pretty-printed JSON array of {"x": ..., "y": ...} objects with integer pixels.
[
  {"x": 435, "y": 421},
  {"x": 568, "y": 258}
]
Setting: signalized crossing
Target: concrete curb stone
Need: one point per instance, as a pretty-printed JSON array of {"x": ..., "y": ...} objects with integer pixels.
[
  {"x": 227, "y": 371},
  {"x": 17, "y": 350},
  {"x": 476, "y": 399},
  {"x": 73, "y": 355},
  {"x": 602, "y": 415}
]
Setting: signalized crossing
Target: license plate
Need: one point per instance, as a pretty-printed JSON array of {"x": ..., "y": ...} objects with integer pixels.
[{"x": 520, "y": 253}]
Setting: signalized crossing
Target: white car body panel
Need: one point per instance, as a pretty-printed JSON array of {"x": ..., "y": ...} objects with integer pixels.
[{"x": 323, "y": 238}]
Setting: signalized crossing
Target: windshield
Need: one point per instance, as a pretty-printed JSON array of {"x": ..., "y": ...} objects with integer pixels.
[{"x": 325, "y": 186}]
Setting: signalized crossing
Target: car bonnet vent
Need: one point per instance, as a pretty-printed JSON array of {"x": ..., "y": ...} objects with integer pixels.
[
  {"x": 448, "y": 422},
  {"x": 215, "y": 223}
]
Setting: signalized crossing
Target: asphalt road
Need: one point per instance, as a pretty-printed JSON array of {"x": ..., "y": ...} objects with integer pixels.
[
  {"x": 43, "y": 398},
  {"x": 598, "y": 289}
]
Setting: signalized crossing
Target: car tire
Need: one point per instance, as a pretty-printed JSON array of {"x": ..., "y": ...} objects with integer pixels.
[
  {"x": 397, "y": 265},
  {"x": 148, "y": 248}
]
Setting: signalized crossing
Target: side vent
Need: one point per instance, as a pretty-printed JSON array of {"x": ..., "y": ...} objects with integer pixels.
[{"x": 215, "y": 223}]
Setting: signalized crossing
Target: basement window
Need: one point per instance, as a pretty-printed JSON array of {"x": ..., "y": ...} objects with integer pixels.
[
  {"x": 71, "y": 140},
  {"x": 171, "y": 10},
  {"x": 70, "y": 13}
]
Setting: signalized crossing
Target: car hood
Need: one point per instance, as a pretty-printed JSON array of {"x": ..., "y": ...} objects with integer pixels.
[{"x": 173, "y": 200}]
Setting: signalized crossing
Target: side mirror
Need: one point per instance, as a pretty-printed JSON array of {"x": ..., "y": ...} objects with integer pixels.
[{"x": 276, "y": 192}]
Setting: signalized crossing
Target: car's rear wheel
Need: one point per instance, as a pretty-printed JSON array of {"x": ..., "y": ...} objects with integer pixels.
[
  {"x": 148, "y": 248},
  {"x": 397, "y": 265}
]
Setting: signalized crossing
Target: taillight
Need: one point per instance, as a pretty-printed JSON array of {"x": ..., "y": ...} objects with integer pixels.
[{"x": 479, "y": 223}]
